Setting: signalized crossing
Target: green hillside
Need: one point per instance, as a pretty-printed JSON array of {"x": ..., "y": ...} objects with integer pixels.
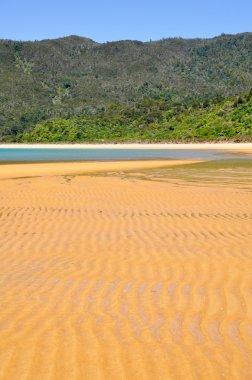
[
  {"x": 77, "y": 80},
  {"x": 153, "y": 120}
]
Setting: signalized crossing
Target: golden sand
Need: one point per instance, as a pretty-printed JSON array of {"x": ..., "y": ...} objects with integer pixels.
[
  {"x": 73, "y": 168},
  {"x": 104, "y": 278}
]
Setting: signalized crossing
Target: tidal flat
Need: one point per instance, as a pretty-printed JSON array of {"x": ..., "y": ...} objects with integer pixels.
[
  {"x": 223, "y": 172},
  {"x": 126, "y": 270}
]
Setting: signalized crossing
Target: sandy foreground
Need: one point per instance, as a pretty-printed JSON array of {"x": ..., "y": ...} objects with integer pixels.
[
  {"x": 202, "y": 146},
  {"x": 109, "y": 278}
]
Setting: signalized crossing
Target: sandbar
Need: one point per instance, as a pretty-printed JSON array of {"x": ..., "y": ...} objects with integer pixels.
[{"x": 73, "y": 168}]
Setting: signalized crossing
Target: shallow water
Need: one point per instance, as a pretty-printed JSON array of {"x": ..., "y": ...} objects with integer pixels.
[
  {"x": 45, "y": 155},
  {"x": 221, "y": 172}
]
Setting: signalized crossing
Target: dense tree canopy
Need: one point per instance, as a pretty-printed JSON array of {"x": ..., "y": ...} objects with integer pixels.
[{"x": 153, "y": 120}]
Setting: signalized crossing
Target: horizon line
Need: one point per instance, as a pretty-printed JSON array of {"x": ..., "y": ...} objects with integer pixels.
[{"x": 126, "y": 40}]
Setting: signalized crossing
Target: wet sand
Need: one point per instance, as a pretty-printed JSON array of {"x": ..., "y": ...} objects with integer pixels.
[{"x": 111, "y": 278}]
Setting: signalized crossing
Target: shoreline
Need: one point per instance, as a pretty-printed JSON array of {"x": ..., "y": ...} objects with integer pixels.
[{"x": 172, "y": 146}]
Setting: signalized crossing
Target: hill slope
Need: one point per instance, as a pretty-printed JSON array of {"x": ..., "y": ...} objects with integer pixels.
[
  {"x": 153, "y": 120},
  {"x": 77, "y": 76}
]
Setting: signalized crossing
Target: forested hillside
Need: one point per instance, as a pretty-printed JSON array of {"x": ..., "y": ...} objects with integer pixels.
[
  {"x": 153, "y": 120},
  {"x": 135, "y": 85}
]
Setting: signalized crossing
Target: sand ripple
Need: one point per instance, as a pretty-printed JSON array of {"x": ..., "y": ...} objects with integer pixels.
[{"x": 103, "y": 278}]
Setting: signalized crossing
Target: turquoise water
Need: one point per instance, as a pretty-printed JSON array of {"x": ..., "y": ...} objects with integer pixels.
[{"x": 47, "y": 155}]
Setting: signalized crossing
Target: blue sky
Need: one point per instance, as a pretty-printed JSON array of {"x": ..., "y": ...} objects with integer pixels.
[{"x": 116, "y": 20}]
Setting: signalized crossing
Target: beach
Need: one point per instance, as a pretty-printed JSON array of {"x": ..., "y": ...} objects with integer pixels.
[
  {"x": 120, "y": 278},
  {"x": 201, "y": 146}
]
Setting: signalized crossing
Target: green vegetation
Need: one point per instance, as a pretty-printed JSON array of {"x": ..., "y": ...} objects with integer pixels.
[
  {"x": 152, "y": 120},
  {"x": 74, "y": 89}
]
